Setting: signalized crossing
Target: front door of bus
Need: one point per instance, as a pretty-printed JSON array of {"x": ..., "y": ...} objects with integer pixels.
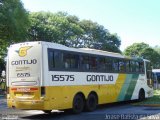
[{"x": 149, "y": 74}]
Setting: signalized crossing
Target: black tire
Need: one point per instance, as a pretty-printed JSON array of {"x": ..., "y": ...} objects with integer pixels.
[
  {"x": 78, "y": 104},
  {"x": 47, "y": 111},
  {"x": 91, "y": 103},
  {"x": 141, "y": 96}
]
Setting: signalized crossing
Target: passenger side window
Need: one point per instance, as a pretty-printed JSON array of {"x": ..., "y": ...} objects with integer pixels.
[
  {"x": 122, "y": 66},
  {"x": 93, "y": 63},
  {"x": 132, "y": 66},
  {"x": 128, "y": 66},
  {"x": 102, "y": 64},
  {"x": 51, "y": 60},
  {"x": 115, "y": 65},
  {"x": 54, "y": 59},
  {"x": 141, "y": 66},
  {"x": 70, "y": 61},
  {"x": 109, "y": 64},
  {"x": 60, "y": 60},
  {"x": 85, "y": 62},
  {"x": 137, "y": 66}
]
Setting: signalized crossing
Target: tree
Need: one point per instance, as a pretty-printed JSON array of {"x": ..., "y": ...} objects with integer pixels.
[
  {"x": 113, "y": 43},
  {"x": 13, "y": 21},
  {"x": 157, "y": 48},
  {"x": 70, "y": 31},
  {"x": 143, "y": 50},
  {"x": 2, "y": 66},
  {"x": 58, "y": 28},
  {"x": 135, "y": 49},
  {"x": 13, "y": 25},
  {"x": 97, "y": 37}
]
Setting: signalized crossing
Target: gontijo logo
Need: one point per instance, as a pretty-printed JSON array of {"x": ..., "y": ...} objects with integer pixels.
[{"x": 23, "y": 51}]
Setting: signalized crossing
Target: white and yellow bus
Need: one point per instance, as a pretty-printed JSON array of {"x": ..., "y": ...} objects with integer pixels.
[{"x": 46, "y": 76}]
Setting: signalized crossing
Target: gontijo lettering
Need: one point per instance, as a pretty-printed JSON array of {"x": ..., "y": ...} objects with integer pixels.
[
  {"x": 24, "y": 62},
  {"x": 95, "y": 78}
]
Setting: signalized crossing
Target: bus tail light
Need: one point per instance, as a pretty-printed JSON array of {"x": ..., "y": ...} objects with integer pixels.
[{"x": 42, "y": 91}]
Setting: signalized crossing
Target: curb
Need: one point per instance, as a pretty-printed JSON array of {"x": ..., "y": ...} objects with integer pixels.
[
  {"x": 152, "y": 105},
  {"x": 148, "y": 105}
]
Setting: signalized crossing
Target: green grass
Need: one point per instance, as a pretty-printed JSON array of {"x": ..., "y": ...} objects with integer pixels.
[{"x": 155, "y": 100}]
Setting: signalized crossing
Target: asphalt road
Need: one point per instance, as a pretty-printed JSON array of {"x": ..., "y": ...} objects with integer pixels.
[{"x": 125, "y": 111}]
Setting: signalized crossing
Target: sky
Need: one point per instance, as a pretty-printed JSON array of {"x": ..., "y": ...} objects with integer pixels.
[{"x": 134, "y": 21}]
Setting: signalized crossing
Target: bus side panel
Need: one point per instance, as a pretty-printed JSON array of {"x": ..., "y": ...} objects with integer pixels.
[
  {"x": 109, "y": 93},
  {"x": 61, "y": 97}
]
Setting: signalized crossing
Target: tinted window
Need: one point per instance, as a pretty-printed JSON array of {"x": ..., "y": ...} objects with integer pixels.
[
  {"x": 70, "y": 61},
  {"x": 137, "y": 66},
  {"x": 51, "y": 60},
  {"x": 128, "y": 66},
  {"x": 60, "y": 60},
  {"x": 102, "y": 64},
  {"x": 132, "y": 66},
  {"x": 141, "y": 66},
  {"x": 54, "y": 59},
  {"x": 109, "y": 64},
  {"x": 85, "y": 62},
  {"x": 122, "y": 66},
  {"x": 93, "y": 63},
  {"x": 115, "y": 65}
]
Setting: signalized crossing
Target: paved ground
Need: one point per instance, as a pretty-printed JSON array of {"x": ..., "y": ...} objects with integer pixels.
[{"x": 124, "y": 111}]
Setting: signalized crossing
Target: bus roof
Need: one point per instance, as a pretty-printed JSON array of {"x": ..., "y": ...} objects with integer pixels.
[
  {"x": 95, "y": 50},
  {"x": 81, "y": 50}
]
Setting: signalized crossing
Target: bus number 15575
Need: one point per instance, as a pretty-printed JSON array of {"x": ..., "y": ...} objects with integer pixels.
[{"x": 63, "y": 78}]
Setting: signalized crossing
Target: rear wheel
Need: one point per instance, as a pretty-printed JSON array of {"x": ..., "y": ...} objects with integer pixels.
[
  {"x": 91, "y": 103},
  {"x": 78, "y": 104},
  {"x": 141, "y": 95}
]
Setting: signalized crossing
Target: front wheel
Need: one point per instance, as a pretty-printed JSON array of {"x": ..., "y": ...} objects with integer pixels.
[{"x": 78, "y": 104}]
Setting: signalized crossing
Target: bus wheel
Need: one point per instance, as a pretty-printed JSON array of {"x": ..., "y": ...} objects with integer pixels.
[
  {"x": 91, "y": 103},
  {"x": 78, "y": 104},
  {"x": 47, "y": 111},
  {"x": 141, "y": 95}
]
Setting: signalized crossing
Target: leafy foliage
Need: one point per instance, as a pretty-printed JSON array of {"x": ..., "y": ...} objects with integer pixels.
[
  {"x": 145, "y": 51},
  {"x": 70, "y": 31},
  {"x": 14, "y": 23},
  {"x": 157, "y": 48},
  {"x": 50, "y": 27}
]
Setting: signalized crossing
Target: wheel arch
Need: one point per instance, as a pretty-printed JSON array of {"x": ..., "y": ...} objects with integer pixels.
[{"x": 141, "y": 91}]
